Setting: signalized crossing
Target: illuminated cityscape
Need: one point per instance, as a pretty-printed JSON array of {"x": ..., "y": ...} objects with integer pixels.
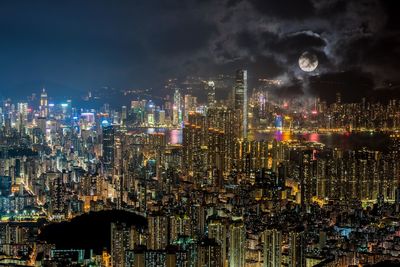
[{"x": 293, "y": 165}]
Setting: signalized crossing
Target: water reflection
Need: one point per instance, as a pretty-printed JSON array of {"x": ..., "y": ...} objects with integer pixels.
[
  {"x": 377, "y": 141},
  {"x": 313, "y": 137},
  {"x": 175, "y": 136},
  {"x": 278, "y": 136}
]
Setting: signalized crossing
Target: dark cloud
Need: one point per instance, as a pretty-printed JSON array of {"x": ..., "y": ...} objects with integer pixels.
[
  {"x": 352, "y": 85},
  {"x": 292, "y": 89},
  {"x": 286, "y": 9},
  {"x": 247, "y": 40},
  {"x": 345, "y": 35},
  {"x": 81, "y": 45}
]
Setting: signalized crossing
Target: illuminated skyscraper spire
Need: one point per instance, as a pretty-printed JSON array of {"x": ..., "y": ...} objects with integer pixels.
[
  {"x": 43, "y": 104},
  {"x": 211, "y": 94},
  {"x": 241, "y": 99}
]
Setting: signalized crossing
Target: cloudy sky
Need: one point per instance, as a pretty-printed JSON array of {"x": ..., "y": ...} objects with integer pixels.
[{"x": 72, "y": 46}]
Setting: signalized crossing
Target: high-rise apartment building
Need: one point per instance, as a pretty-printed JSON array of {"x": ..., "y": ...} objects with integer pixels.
[
  {"x": 108, "y": 147},
  {"x": 272, "y": 248},
  {"x": 237, "y": 244}
]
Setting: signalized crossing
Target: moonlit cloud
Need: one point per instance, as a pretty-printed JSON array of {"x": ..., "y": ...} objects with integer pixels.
[{"x": 78, "y": 45}]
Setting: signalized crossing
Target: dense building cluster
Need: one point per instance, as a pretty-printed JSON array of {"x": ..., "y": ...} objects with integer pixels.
[{"x": 248, "y": 180}]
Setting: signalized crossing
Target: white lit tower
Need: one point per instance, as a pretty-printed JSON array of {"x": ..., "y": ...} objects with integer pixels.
[
  {"x": 177, "y": 108},
  {"x": 44, "y": 107},
  {"x": 211, "y": 94},
  {"x": 124, "y": 115},
  {"x": 241, "y": 103}
]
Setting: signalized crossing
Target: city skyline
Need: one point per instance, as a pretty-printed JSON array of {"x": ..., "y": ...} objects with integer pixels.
[
  {"x": 80, "y": 47},
  {"x": 231, "y": 133}
]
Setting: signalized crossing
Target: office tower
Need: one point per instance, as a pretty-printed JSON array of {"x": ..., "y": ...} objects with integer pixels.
[
  {"x": 122, "y": 239},
  {"x": 190, "y": 103},
  {"x": 272, "y": 248},
  {"x": 209, "y": 253},
  {"x": 241, "y": 104},
  {"x": 44, "y": 107},
  {"x": 161, "y": 117},
  {"x": 297, "y": 248},
  {"x": 124, "y": 114},
  {"x": 177, "y": 108},
  {"x": 22, "y": 115},
  {"x": 217, "y": 230},
  {"x": 210, "y": 88},
  {"x": 108, "y": 147},
  {"x": 237, "y": 244}
]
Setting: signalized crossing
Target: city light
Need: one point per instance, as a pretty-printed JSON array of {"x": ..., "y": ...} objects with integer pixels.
[{"x": 200, "y": 133}]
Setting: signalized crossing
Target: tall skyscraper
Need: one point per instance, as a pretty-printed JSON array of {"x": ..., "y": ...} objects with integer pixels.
[
  {"x": 124, "y": 115},
  {"x": 211, "y": 94},
  {"x": 22, "y": 115},
  {"x": 44, "y": 107},
  {"x": 272, "y": 248},
  {"x": 158, "y": 229},
  {"x": 58, "y": 195},
  {"x": 108, "y": 147},
  {"x": 297, "y": 257},
  {"x": 177, "y": 108},
  {"x": 237, "y": 244},
  {"x": 209, "y": 253},
  {"x": 241, "y": 100},
  {"x": 122, "y": 239},
  {"x": 190, "y": 103},
  {"x": 217, "y": 230}
]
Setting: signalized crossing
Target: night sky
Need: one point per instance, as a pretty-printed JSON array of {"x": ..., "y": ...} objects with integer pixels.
[{"x": 70, "y": 47}]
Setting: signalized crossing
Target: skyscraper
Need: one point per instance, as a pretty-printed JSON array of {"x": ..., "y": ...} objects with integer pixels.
[
  {"x": 43, "y": 104},
  {"x": 217, "y": 230},
  {"x": 58, "y": 195},
  {"x": 211, "y": 94},
  {"x": 296, "y": 248},
  {"x": 124, "y": 115},
  {"x": 209, "y": 253},
  {"x": 237, "y": 244},
  {"x": 177, "y": 108},
  {"x": 272, "y": 248},
  {"x": 122, "y": 239},
  {"x": 158, "y": 227},
  {"x": 22, "y": 115},
  {"x": 241, "y": 104},
  {"x": 108, "y": 147}
]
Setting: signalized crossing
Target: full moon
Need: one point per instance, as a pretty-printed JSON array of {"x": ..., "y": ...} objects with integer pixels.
[{"x": 308, "y": 62}]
